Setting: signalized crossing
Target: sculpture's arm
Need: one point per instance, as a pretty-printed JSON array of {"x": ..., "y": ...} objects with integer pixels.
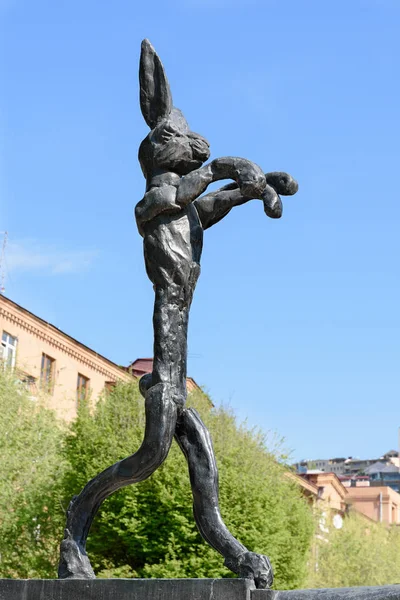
[
  {"x": 156, "y": 200},
  {"x": 216, "y": 205},
  {"x": 248, "y": 176}
]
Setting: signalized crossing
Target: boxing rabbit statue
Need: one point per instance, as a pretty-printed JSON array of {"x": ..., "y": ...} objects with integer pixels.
[{"x": 171, "y": 218}]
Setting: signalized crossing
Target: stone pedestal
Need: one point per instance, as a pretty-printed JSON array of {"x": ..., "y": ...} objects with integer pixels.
[
  {"x": 386, "y": 592},
  {"x": 175, "y": 589},
  {"x": 125, "y": 589}
]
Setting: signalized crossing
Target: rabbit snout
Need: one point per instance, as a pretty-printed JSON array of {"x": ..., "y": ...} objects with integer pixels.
[{"x": 200, "y": 147}]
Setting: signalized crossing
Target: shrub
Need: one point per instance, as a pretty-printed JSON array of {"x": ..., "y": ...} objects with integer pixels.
[
  {"x": 148, "y": 530},
  {"x": 31, "y": 463}
]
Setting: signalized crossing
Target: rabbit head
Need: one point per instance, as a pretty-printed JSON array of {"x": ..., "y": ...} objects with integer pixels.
[{"x": 170, "y": 145}]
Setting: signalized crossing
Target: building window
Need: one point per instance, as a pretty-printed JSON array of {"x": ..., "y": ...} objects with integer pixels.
[
  {"x": 9, "y": 347},
  {"x": 82, "y": 388},
  {"x": 29, "y": 382},
  {"x": 109, "y": 385},
  {"x": 47, "y": 370}
]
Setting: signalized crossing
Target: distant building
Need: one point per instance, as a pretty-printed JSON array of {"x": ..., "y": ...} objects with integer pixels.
[
  {"x": 382, "y": 474},
  {"x": 328, "y": 465},
  {"x": 357, "y": 466},
  {"x": 358, "y": 472},
  {"x": 319, "y": 464},
  {"x": 381, "y": 504},
  {"x": 392, "y": 456},
  {"x": 355, "y": 480},
  {"x": 141, "y": 366},
  {"x": 51, "y": 363},
  {"x": 337, "y": 465},
  {"x": 330, "y": 489},
  {"x": 309, "y": 490}
]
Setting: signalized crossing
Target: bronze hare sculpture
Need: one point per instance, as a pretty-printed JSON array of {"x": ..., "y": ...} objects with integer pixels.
[{"x": 171, "y": 217}]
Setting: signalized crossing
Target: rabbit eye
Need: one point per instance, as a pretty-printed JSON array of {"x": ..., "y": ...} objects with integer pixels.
[
  {"x": 165, "y": 135},
  {"x": 167, "y": 132}
]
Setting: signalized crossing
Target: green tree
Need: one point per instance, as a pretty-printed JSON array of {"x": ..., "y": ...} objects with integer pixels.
[
  {"x": 31, "y": 463},
  {"x": 360, "y": 553},
  {"x": 147, "y": 530}
]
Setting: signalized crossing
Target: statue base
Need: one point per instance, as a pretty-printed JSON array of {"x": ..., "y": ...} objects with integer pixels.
[{"x": 175, "y": 589}]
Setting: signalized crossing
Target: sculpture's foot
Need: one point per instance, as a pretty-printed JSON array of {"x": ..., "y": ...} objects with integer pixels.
[
  {"x": 74, "y": 562},
  {"x": 252, "y": 566}
]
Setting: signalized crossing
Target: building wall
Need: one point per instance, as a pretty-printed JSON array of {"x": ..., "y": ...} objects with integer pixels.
[
  {"x": 337, "y": 468},
  {"x": 355, "y": 466},
  {"x": 320, "y": 464},
  {"x": 35, "y": 337},
  {"x": 377, "y": 503},
  {"x": 330, "y": 489}
]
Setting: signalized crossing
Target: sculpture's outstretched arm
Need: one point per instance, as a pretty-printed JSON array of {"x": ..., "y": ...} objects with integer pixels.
[
  {"x": 174, "y": 193},
  {"x": 216, "y": 205},
  {"x": 248, "y": 176}
]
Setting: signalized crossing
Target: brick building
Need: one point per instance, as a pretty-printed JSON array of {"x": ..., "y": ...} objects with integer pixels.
[{"x": 51, "y": 362}]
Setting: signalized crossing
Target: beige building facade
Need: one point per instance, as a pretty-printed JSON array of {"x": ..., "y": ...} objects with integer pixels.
[
  {"x": 55, "y": 366},
  {"x": 381, "y": 504},
  {"x": 52, "y": 363},
  {"x": 330, "y": 489}
]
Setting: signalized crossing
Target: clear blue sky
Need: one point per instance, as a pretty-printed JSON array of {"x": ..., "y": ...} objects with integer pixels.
[{"x": 295, "y": 323}]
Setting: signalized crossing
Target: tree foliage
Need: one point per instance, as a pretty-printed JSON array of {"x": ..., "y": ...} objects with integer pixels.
[
  {"x": 144, "y": 530},
  {"x": 31, "y": 463},
  {"x": 148, "y": 530},
  {"x": 360, "y": 553}
]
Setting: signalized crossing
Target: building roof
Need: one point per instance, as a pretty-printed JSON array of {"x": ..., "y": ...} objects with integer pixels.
[
  {"x": 380, "y": 467},
  {"x": 359, "y": 460},
  {"x": 4, "y": 300},
  {"x": 307, "y": 486},
  {"x": 375, "y": 468},
  {"x": 141, "y": 366},
  {"x": 391, "y": 453},
  {"x": 389, "y": 469}
]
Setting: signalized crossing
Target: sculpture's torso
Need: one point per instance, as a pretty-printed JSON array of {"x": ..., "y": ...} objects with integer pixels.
[
  {"x": 173, "y": 235},
  {"x": 172, "y": 247}
]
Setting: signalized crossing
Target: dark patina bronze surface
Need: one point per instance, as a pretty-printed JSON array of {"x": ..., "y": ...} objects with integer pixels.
[{"x": 171, "y": 217}]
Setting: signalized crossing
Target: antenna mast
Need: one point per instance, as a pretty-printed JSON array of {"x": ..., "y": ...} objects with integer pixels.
[{"x": 2, "y": 265}]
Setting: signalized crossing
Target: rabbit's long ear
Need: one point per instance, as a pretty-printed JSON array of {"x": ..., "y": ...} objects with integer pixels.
[{"x": 155, "y": 95}]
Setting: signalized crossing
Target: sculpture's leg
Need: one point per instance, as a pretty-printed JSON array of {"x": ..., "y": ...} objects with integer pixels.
[
  {"x": 195, "y": 442},
  {"x": 161, "y": 414}
]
